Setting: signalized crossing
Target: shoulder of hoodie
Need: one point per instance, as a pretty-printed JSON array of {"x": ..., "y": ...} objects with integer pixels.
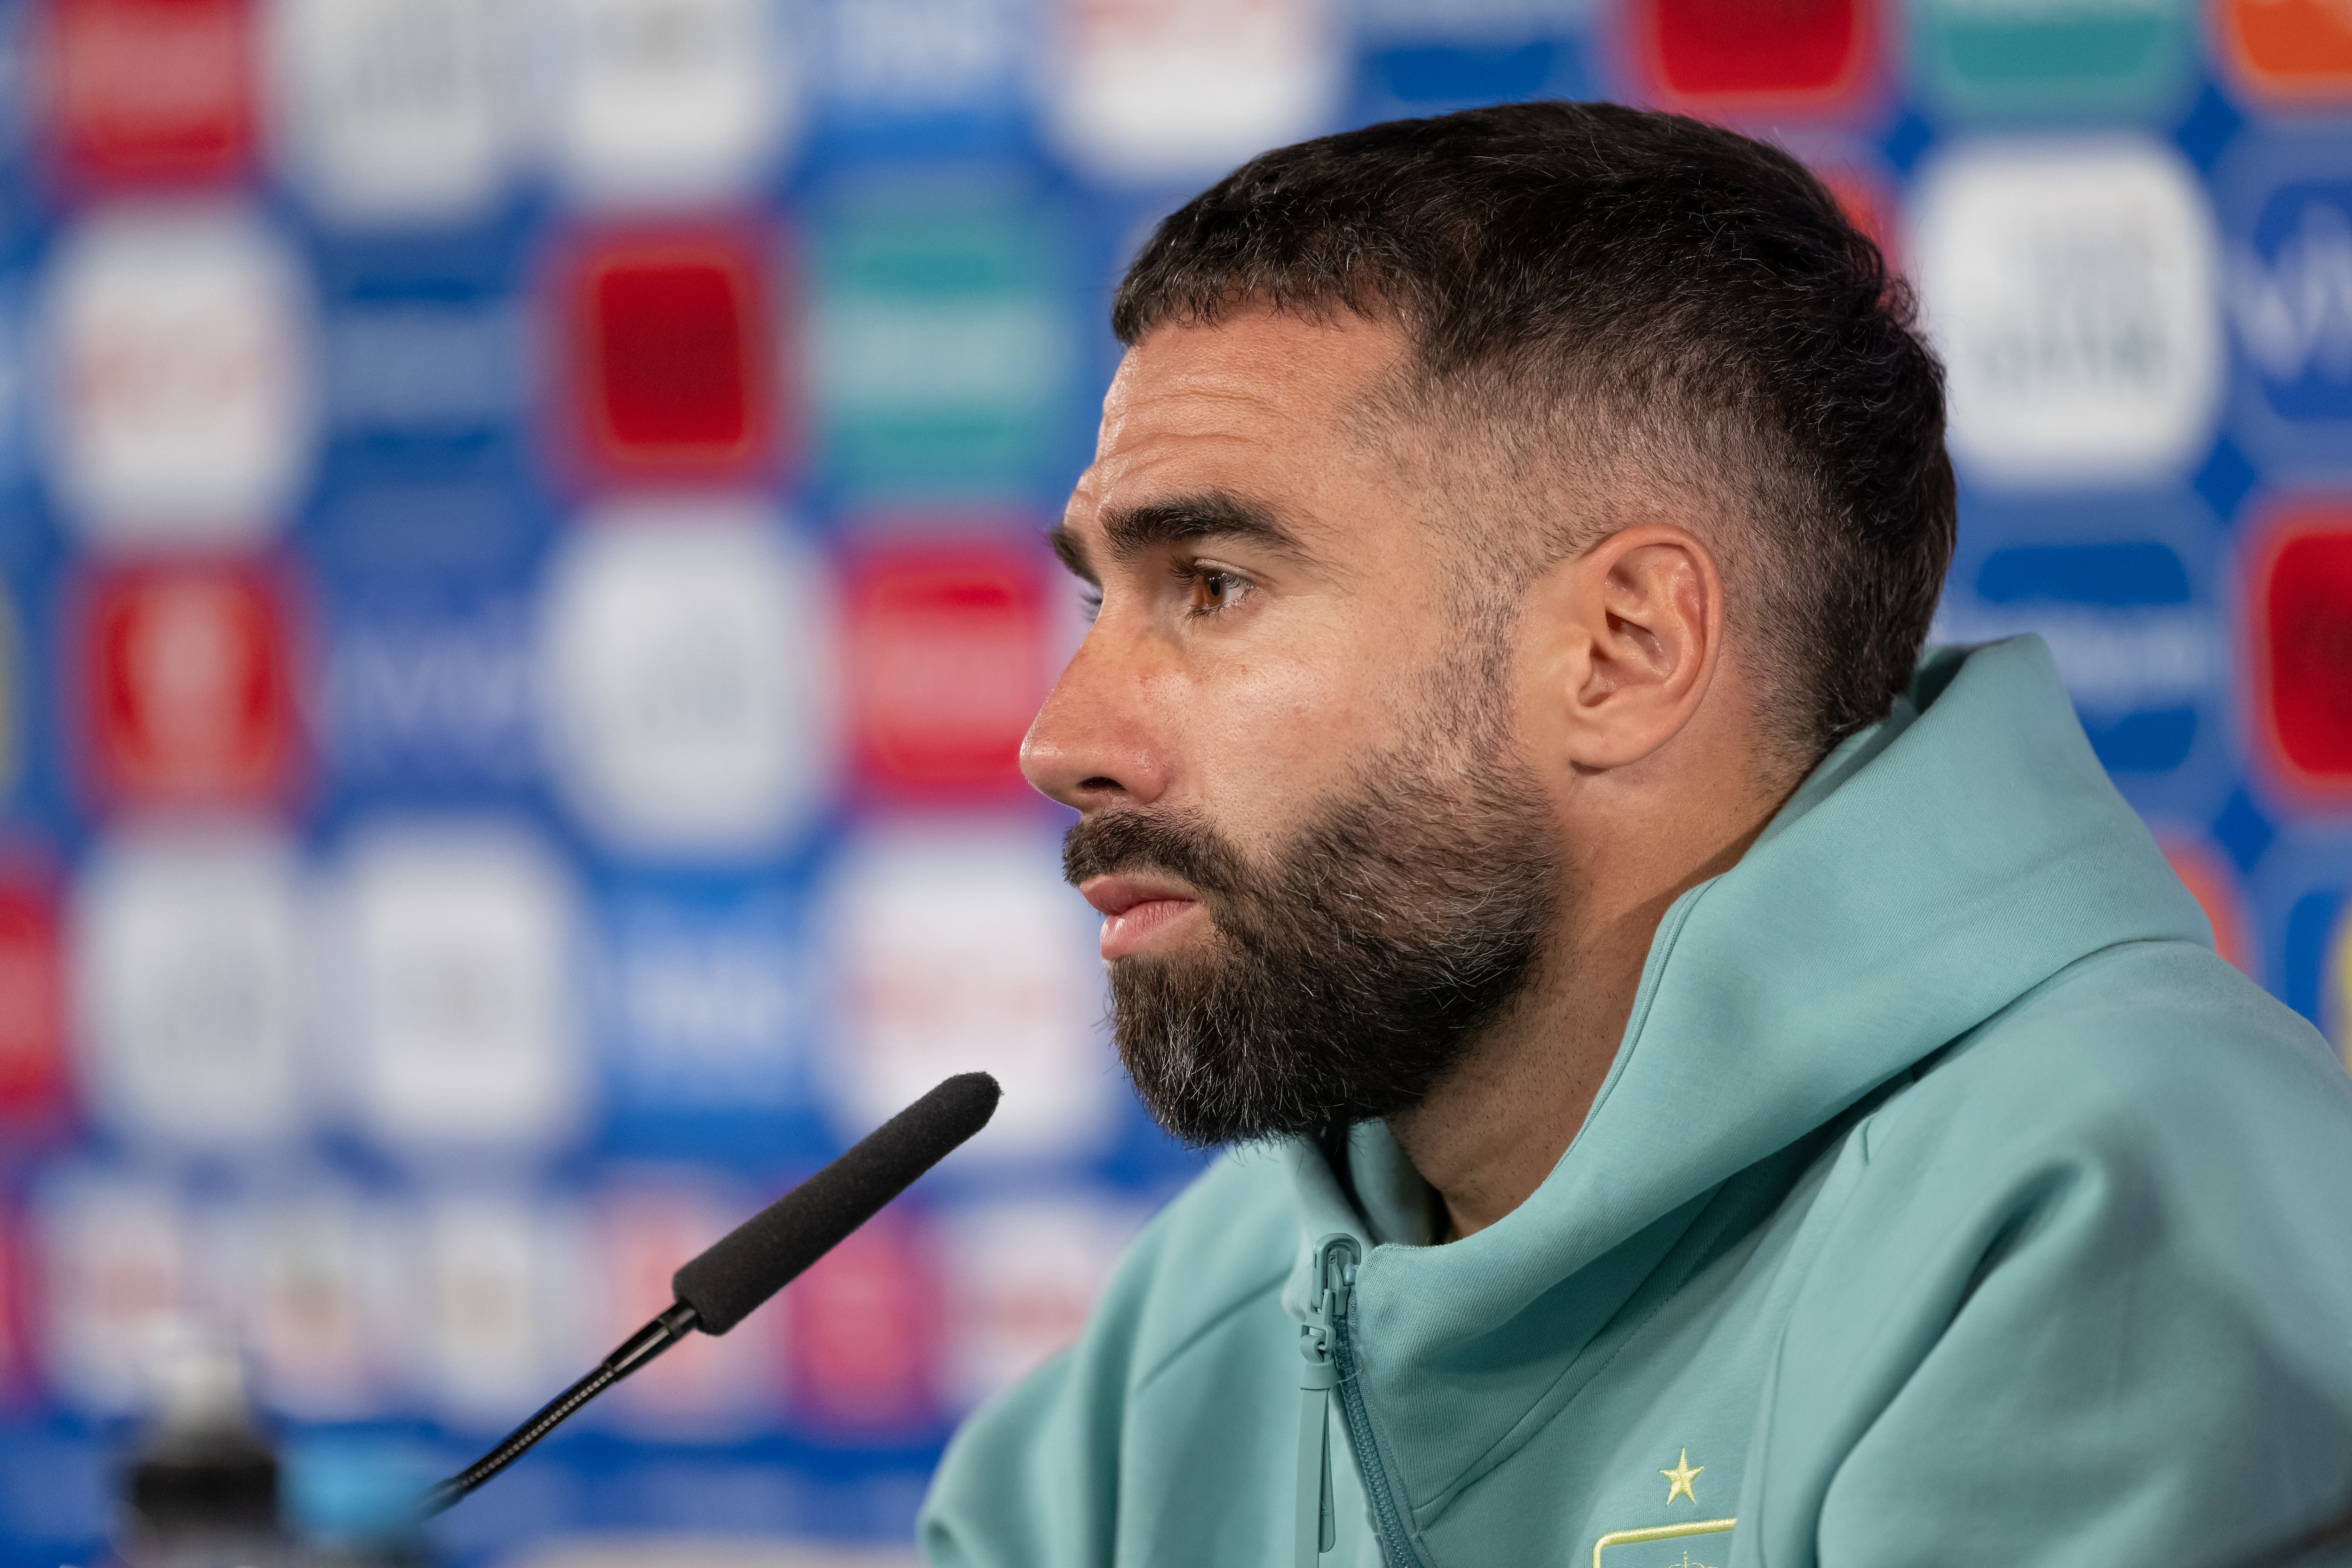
[
  {"x": 1225, "y": 1244},
  {"x": 2152, "y": 1054}
]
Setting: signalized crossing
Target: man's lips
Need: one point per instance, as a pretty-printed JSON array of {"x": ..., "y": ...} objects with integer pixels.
[{"x": 1135, "y": 909}]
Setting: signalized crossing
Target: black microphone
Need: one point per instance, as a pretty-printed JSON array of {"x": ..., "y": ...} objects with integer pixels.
[{"x": 767, "y": 1252}]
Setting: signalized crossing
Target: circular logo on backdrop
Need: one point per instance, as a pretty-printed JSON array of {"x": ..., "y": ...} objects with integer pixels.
[
  {"x": 959, "y": 948},
  {"x": 396, "y": 109},
  {"x": 179, "y": 400},
  {"x": 1151, "y": 90},
  {"x": 688, "y": 672},
  {"x": 458, "y": 946},
  {"x": 2070, "y": 285},
  {"x": 190, "y": 989},
  {"x": 669, "y": 102}
]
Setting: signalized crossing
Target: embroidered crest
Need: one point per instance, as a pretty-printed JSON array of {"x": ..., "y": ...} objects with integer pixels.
[
  {"x": 1626, "y": 1538},
  {"x": 1680, "y": 1483}
]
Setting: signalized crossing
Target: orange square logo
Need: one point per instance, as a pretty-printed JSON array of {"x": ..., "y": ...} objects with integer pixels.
[{"x": 2289, "y": 51}]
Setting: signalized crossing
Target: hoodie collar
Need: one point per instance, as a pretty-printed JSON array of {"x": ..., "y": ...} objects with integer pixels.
[{"x": 1929, "y": 872}]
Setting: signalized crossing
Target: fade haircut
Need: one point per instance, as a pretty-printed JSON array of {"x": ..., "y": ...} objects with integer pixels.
[{"x": 1626, "y": 311}]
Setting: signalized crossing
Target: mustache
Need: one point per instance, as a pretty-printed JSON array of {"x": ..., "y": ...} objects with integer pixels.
[{"x": 1114, "y": 841}]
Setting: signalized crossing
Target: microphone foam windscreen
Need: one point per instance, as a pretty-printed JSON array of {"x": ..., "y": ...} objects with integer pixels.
[{"x": 768, "y": 1251}]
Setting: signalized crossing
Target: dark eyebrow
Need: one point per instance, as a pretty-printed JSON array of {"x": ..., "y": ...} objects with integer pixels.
[{"x": 1131, "y": 531}]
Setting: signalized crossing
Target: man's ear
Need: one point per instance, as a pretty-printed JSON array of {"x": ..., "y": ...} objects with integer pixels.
[{"x": 1636, "y": 628}]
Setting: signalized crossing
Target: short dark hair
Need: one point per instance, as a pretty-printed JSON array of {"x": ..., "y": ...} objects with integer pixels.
[{"x": 1668, "y": 304}]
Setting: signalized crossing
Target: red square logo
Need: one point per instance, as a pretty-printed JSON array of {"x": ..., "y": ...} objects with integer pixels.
[
  {"x": 2301, "y": 622},
  {"x": 1741, "y": 56},
  {"x": 2293, "y": 53},
  {"x": 145, "y": 93},
  {"x": 673, "y": 367},
  {"x": 189, "y": 694},
  {"x": 863, "y": 1342},
  {"x": 948, "y": 660},
  {"x": 32, "y": 1007}
]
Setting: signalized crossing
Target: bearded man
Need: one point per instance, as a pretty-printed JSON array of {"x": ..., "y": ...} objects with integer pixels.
[{"x": 1704, "y": 1082}]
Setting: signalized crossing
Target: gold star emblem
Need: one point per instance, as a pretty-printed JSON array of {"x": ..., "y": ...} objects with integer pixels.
[{"x": 1682, "y": 1476}]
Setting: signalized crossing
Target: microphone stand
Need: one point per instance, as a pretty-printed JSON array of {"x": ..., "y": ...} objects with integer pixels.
[
  {"x": 641, "y": 1347},
  {"x": 740, "y": 1271}
]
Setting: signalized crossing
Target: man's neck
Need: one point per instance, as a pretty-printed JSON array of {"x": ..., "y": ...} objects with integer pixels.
[{"x": 1493, "y": 1129}]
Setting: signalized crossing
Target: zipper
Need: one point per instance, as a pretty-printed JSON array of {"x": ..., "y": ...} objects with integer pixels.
[
  {"x": 1327, "y": 1345},
  {"x": 1317, "y": 1530}
]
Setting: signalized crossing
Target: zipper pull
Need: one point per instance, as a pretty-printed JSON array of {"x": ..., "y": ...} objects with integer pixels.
[
  {"x": 1317, "y": 1523},
  {"x": 1336, "y": 1257},
  {"x": 1316, "y": 1527}
]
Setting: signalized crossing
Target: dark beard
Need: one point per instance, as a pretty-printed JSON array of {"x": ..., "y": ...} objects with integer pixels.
[{"x": 1348, "y": 976}]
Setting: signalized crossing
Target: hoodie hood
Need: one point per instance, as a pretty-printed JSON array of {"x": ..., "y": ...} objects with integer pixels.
[{"x": 1929, "y": 872}]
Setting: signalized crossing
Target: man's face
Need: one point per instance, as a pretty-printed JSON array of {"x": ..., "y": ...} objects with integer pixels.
[{"x": 1322, "y": 862}]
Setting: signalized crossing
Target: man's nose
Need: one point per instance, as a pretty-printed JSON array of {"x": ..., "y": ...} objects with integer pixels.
[{"x": 1092, "y": 745}]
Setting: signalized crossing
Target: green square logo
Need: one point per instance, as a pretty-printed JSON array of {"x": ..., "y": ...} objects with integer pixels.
[
  {"x": 942, "y": 357},
  {"x": 2043, "y": 59}
]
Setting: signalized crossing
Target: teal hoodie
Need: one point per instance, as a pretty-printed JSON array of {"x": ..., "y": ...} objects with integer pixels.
[{"x": 1948, "y": 1201}]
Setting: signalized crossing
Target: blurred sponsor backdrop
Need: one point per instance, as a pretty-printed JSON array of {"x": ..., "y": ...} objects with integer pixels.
[{"x": 519, "y": 589}]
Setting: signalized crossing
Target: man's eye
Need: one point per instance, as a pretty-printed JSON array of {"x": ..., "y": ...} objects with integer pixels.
[
  {"x": 1212, "y": 589},
  {"x": 1090, "y": 604}
]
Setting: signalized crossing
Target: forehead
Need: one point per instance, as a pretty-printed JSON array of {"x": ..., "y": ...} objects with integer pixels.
[{"x": 1258, "y": 401}]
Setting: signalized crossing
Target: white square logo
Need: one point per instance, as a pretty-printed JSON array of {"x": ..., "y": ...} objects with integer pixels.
[
  {"x": 188, "y": 972},
  {"x": 307, "y": 1311},
  {"x": 2070, "y": 286},
  {"x": 960, "y": 950},
  {"x": 1144, "y": 91},
  {"x": 1020, "y": 1275},
  {"x": 687, "y": 675},
  {"x": 116, "y": 1274},
  {"x": 488, "y": 1291},
  {"x": 391, "y": 111},
  {"x": 460, "y": 946},
  {"x": 669, "y": 102},
  {"x": 179, "y": 372}
]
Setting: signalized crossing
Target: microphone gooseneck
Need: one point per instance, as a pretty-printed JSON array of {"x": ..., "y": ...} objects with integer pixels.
[
  {"x": 642, "y": 1347},
  {"x": 744, "y": 1267}
]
